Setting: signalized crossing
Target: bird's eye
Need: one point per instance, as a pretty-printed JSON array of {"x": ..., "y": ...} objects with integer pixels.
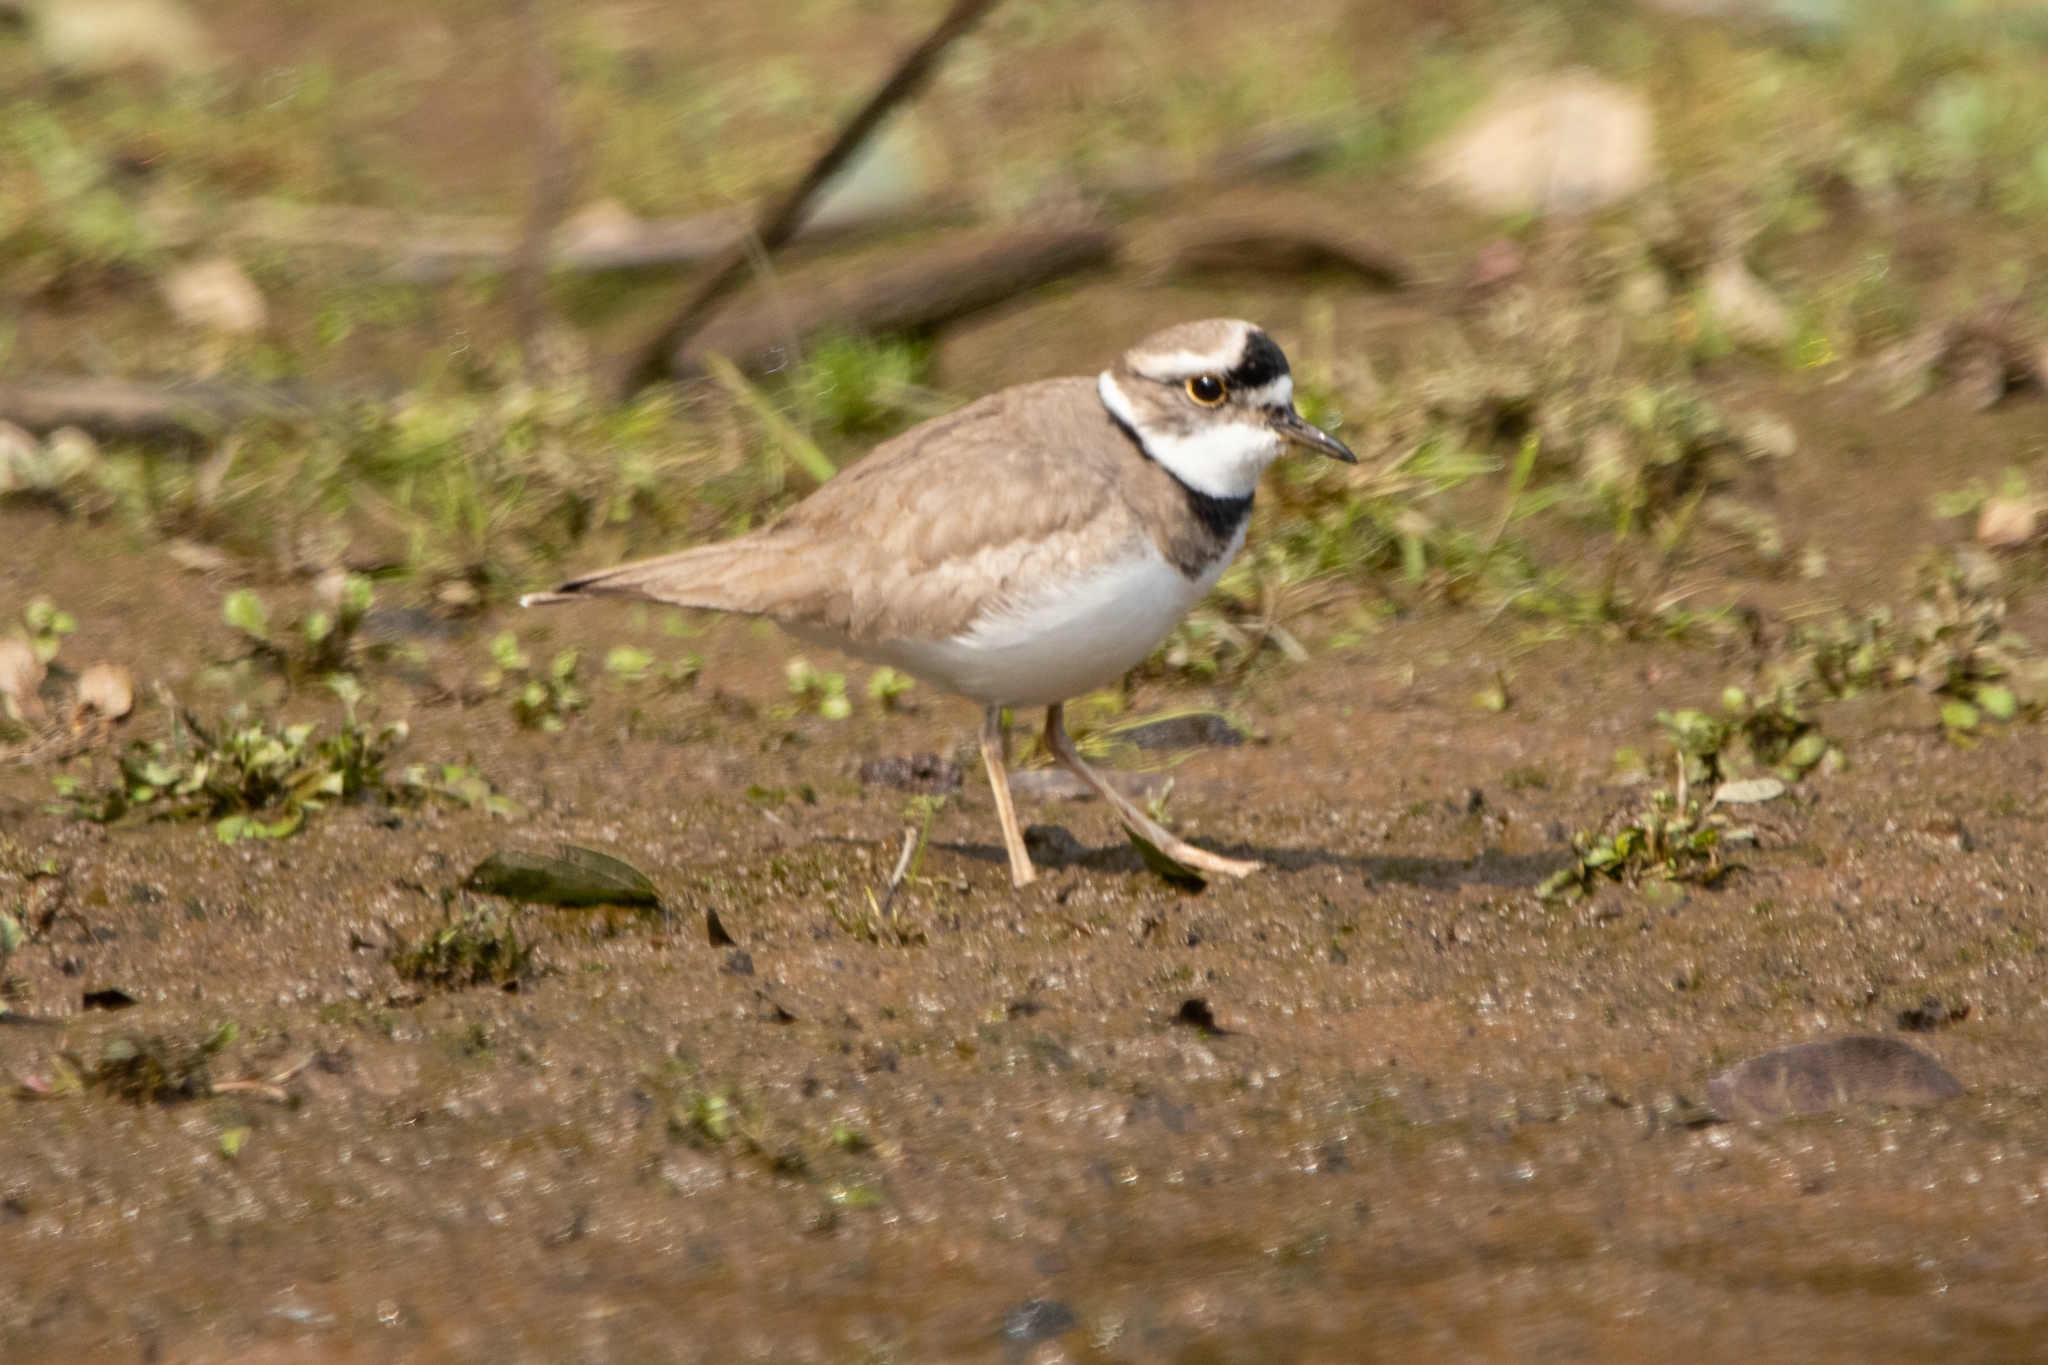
[{"x": 1206, "y": 389}]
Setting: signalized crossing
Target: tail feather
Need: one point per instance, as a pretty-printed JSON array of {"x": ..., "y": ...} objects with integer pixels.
[{"x": 713, "y": 577}]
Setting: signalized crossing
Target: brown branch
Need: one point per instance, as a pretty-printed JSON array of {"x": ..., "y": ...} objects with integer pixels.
[
  {"x": 119, "y": 410},
  {"x": 650, "y": 363},
  {"x": 554, "y": 177},
  {"x": 939, "y": 282}
]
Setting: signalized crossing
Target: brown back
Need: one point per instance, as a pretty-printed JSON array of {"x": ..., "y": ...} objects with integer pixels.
[{"x": 956, "y": 517}]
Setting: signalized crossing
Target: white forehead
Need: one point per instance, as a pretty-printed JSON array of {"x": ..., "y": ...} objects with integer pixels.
[{"x": 1186, "y": 351}]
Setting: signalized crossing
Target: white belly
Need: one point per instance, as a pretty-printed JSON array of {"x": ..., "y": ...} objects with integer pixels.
[{"x": 1076, "y": 636}]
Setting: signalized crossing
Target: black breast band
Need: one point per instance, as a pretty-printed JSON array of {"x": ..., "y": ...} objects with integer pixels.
[{"x": 1219, "y": 518}]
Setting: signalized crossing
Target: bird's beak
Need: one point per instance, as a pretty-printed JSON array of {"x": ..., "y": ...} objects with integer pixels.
[{"x": 1291, "y": 426}]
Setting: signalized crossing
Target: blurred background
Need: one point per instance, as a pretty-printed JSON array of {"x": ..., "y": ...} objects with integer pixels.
[
  {"x": 381, "y": 265},
  {"x": 1658, "y": 689}
]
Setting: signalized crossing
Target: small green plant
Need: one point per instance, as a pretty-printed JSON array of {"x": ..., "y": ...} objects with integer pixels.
[
  {"x": 482, "y": 948},
  {"x": 630, "y": 665},
  {"x": 853, "y": 386},
  {"x": 254, "y": 780},
  {"x": 458, "y": 784},
  {"x": 152, "y": 1070},
  {"x": 824, "y": 693},
  {"x": 319, "y": 644},
  {"x": 1769, "y": 726},
  {"x": 541, "y": 699},
  {"x": 713, "y": 1116},
  {"x": 1671, "y": 839},
  {"x": 45, "y": 626},
  {"x": 1962, "y": 652},
  {"x": 887, "y": 688}
]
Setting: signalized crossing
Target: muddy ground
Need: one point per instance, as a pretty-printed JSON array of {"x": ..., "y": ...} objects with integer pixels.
[
  {"x": 1416, "y": 1113},
  {"x": 1434, "y": 1118}
]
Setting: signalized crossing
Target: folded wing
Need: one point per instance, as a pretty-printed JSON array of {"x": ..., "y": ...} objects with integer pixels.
[{"x": 954, "y": 518}]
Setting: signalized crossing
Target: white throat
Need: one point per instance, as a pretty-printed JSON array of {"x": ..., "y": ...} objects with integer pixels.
[{"x": 1224, "y": 461}]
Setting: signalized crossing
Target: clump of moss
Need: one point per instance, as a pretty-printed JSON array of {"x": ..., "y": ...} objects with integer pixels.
[
  {"x": 156, "y": 1069},
  {"x": 478, "y": 949}
]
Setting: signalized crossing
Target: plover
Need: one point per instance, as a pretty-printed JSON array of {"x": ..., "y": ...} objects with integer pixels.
[{"x": 1033, "y": 546}]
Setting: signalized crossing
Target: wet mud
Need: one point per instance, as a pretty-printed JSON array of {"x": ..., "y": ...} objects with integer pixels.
[{"x": 1377, "y": 1101}]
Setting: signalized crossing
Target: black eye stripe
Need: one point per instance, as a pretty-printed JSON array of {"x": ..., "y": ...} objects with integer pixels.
[{"x": 1263, "y": 363}]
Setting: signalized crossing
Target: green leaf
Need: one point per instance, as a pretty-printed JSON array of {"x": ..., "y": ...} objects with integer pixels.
[
  {"x": 357, "y": 596},
  {"x": 1998, "y": 702},
  {"x": 573, "y": 877},
  {"x": 506, "y": 653},
  {"x": 12, "y": 935},
  {"x": 1810, "y": 749},
  {"x": 231, "y": 1142},
  {"x": 1959, "y": 715},
  {"x": 628, "y": 663},
  {"x": 794, "y": 443},
  {"x": 245, "y": 611}
]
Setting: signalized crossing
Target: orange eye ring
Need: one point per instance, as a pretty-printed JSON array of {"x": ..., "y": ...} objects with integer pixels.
[{"x": 1207, "y": 390}]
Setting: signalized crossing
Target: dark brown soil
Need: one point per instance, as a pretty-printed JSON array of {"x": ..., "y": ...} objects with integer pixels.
[
  {"x": 1435, "y": 1116},
  {"x": 1378, "y": 1101}
]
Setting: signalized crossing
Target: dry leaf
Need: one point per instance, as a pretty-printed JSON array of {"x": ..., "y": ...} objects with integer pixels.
[
  {"x": 108, "y": 689},
  {"x": 1558, "y": 144},
  {"x": 2007, "y": 523},
  {"x": 21, "y": 678},
  {"x": 217, "y": 295}
]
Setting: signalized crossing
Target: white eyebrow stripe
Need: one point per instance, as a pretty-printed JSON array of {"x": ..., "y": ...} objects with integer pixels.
[
  {"x": 1185, "y": 364},
  {"x": 1278, "y": 393}
]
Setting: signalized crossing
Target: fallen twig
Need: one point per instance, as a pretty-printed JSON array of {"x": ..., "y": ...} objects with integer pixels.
[
  {"x": 651, "y": 362},
  {"x": 911, "y": 835},
  {"x": 554, "y": 177},
  {"x": 263, "y": 1090},
  {"x": 124, "y": 410},
  {"x": 937, "y": 284}
]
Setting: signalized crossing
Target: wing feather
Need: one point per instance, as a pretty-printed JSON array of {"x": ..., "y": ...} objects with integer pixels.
[{"x": 954, "y": 518}]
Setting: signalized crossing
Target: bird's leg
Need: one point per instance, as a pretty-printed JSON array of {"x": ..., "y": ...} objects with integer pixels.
[
  {"x": 1134, "y": 819},
  {"x": 1021, "y": 873}
]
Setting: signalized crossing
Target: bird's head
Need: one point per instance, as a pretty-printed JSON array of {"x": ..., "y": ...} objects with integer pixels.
[{"x": 1213, "y": 402}]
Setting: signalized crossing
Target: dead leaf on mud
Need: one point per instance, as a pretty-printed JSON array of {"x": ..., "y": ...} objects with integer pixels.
[
  {"x": 197, "y": 557},
  {"x": 922, "y": 774},
  {"x": 1930, "y": 1015},
  {"x": 2008, "y": 523},
  {"x": 1749, "y": 791},
  {"x": 110, "y": 998},
  {"x": 573, "y": 878},
  {"x": 107, "y": 689},
  {"x": 1036, "y": 1320},
  {"x": 1182, "y": 730},
  {"x": 1840, "y": 1073},
  {"x": 1984, "y": 357},
  {"x": 1565, "y": 143},
  {"x": 1057, "y": 784},
  {"x": 21, "y": 679},
  {"x": 1169, "y": 870}
]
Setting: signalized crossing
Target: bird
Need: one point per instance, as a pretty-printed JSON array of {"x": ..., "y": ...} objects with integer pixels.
[{"x": 1028, "y": 548}]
